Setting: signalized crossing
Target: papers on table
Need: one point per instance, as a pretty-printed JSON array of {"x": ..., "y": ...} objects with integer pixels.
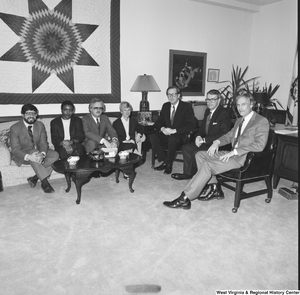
[{"x": 287, "y": 130}]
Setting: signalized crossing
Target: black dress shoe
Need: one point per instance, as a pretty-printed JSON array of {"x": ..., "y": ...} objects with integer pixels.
[
  {"x": 160, "y": 167},
  {"x": 215, "y": 193},
  {"x": 179, "y": 203},
  {"x": 205, "y": 191},
  {"x": 32, "y": 181},
  {"x": 47, "y": 188},
  {"x": 168, "y": 169},
  {"x": 181, "y": 176}
]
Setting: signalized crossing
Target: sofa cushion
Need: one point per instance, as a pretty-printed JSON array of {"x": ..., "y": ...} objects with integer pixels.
[{"x": 5, "y": 138}]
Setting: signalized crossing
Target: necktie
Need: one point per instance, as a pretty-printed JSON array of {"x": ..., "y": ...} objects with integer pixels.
[
  {"x": 30, "y": 134},
  {"x": 172, "y": 116},
  {"x": 98, "y": 125},
  {"x": 238, "y": 134},
  {"x": 207, "y": 122}
]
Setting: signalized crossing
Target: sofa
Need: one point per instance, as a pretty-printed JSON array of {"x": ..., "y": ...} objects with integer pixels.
[{"x": 11, "y": 173}]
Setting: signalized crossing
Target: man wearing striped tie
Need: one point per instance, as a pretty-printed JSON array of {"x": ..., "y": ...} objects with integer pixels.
[
  {"x": 175, "y": 121},
  {"x": 29, "y": 145},
  {"x": 249, "y": 134}
]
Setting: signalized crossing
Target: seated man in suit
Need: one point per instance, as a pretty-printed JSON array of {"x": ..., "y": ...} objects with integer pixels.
[
  {"x": 216, "y": 122},
  {"x": 249, "y": 134},
  {"x": 175, "y": 121},
  {"x": 67, "y": 132},
  {"x": 128, "y": 130},
  {"x": 29, "y": 146},
  {"x": 96, "y": 125}
]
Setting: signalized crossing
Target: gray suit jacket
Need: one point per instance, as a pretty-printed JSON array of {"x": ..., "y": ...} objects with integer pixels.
[
  {"x": 91, "y": 130},
  {"x": 21, "y": 142},
  {"x": 253, "y": 139}
]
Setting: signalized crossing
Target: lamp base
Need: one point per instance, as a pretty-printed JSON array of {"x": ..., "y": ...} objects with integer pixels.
[{"x": 144, "y": 106}]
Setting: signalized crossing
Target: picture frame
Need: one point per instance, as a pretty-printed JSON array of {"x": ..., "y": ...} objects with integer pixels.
[
  {"x": 213, "y": 75},
  {"x": 187, "y": 70}
]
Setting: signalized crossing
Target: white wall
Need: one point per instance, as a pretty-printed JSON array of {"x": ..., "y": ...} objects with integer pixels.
[
  {"x": 273, "y": 46},
  {"x": 150, "y": 28}
]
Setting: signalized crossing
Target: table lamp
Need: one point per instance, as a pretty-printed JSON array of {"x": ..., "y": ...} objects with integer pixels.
[{"x": 145, "y": 83}]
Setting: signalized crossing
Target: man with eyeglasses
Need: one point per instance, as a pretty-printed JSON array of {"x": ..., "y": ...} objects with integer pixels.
[
  {"x": 216, "y": 122},
  {"x": 67, "y": 132},
  {"x": 175, "y": 121},
  {"x": 29, "y": 146},
  {"x": 96, "y": 125}
]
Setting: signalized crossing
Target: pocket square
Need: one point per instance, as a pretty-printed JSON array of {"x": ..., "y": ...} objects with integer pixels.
[{"x": 214, "y": 123}]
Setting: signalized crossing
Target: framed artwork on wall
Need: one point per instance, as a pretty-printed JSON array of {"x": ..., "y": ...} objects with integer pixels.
[
  {"x": 187, "y": 71},
  {"x": 77, "y": 61},
  {"x": 213, "y": 75}
]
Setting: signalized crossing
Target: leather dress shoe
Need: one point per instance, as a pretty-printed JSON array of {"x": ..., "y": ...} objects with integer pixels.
[
  {"x": 215, "y": 193},
  {"x": 32, "y": 181},
  {"x": 205, "y": 191},
  {"x": 47, "y": 188},
  {"x": 160, "y": 167},
  {"x": 179, "y": 203},
  {"x": 168, "y": 169},
  {"x": 181, "y": 176}
]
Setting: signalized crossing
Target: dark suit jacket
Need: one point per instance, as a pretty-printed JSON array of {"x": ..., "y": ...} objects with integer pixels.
[
  {"x": 253, "y": 139},
  {"x": 184, "y": 120},
  {"x": 220, "y": 123},
  {"x": 133, "y": 127},
  {"x": 21, "y": 142},
  {"x": 57, "y": 131}
]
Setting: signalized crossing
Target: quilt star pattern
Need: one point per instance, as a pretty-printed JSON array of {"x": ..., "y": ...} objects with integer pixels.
[{"x": 59, "y": 50}]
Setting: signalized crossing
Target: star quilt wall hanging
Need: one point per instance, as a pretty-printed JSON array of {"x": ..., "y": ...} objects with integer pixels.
[{"x": 53, "y": 50}]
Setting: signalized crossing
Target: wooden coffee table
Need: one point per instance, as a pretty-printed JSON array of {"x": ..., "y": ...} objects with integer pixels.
[{"x": 81, "y": 173}]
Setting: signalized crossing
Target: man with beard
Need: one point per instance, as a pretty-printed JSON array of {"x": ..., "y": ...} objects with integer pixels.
[
  {"x": 67, "y": 132},
  {"x": 29, "y": 146}
]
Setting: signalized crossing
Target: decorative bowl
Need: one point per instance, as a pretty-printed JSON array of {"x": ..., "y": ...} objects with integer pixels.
[{"x": 96, "y": 155}]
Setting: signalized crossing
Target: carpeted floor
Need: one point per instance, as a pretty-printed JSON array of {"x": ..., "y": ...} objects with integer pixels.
[{"x": 115, "y": 239}]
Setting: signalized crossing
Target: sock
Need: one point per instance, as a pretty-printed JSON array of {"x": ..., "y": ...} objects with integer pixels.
[
  {"x": 44, "y": 181},
  {"x": 184, "y": 196}
]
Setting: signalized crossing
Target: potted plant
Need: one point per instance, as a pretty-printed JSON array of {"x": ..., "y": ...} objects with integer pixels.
[
  {"x": 237, "y": 85},
  {"x": 272, "y": 101}
]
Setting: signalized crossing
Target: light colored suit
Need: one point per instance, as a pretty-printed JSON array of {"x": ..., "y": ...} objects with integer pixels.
[
  {"x": 253, "y": 139},
  {"x": 21, "y": 145},
  {"x": 92, "y": 134}
]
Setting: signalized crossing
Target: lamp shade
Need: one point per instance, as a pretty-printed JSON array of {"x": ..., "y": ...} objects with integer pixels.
[
  {"x": 261, "y": 97},
  {"x": 145, "y": 83}
]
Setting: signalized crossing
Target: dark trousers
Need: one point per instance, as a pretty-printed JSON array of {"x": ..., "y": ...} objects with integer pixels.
[
  {"x": 160, "y": 142},
  {"x": 189, "y": 162}
]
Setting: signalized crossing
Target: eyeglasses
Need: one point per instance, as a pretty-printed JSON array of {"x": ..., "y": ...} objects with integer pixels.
[
  {"x": 33, "y": 114},
  {"x": 98, "y": 108},
  {"x": 211, "y": 99},
  {"x": 172, "y": 94}
]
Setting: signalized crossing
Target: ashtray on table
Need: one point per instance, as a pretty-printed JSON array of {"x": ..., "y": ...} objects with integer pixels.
[
  {"x": 72, "y": 160},
  {"x": 123, "y": 154},
  {"x": 109, "y": 152}
]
